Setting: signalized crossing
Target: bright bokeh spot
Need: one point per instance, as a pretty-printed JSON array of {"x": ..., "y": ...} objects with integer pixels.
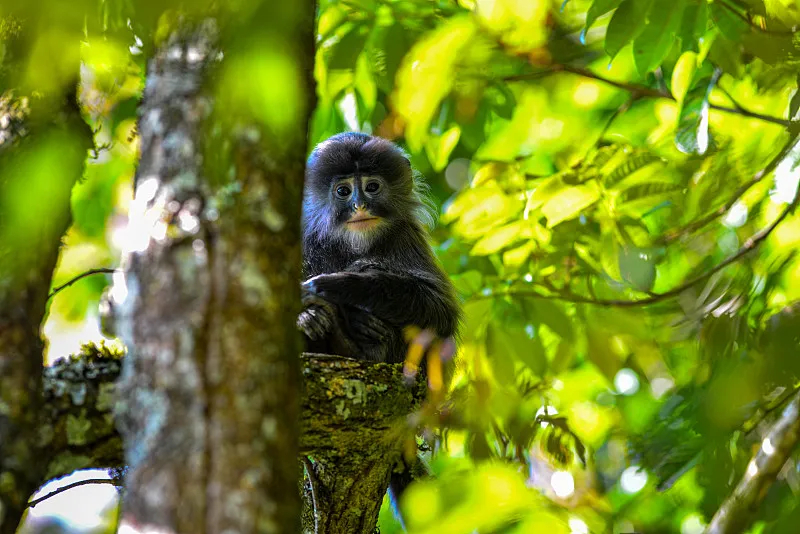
[
  {"x": 633, "y": 479},
  {"x": 563, "y": 484},
  {"x": 626, "y": 381}
]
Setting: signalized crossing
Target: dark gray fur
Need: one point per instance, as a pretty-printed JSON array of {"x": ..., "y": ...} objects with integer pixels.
[{"x": 361, "y": 292}]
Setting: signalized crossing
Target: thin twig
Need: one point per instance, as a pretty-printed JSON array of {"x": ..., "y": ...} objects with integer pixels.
[
  {"x": 640, "y": 91},
  {"x": 736, "y": 512},
  {"x": 70, "y": 486},
  {"x": 104, "y": 270},
  {"x": 312, "y": 482},
  {"x": 722, "y": 210}
]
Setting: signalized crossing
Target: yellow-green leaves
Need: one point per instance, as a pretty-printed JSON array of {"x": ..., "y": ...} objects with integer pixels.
[
  {"x": 438, "y": 148},
  {"x": 476, "y": 211},
  {"x": 427, "y": 74},
  {"x": 683, "y": 75},
  {"x": 569, "y": 203},
  {"x": 520, "y": 24}
]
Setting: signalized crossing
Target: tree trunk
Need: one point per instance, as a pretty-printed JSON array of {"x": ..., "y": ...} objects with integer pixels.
[
  {"x": 42, "y": 151},
  {"x": 210, "y": 392}
]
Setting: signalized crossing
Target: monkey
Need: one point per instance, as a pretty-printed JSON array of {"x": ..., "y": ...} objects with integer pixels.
[{"x": 368, "y": 269}]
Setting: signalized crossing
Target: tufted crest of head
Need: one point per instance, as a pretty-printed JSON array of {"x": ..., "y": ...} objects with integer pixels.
[{"x": 352, "y": 173}]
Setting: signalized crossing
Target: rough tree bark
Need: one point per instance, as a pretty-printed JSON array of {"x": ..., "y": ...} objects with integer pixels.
[
  {"x": 210, "y": 389},
  {"x": 352, "y": 415},
  {"x": 43, "y": 146}
]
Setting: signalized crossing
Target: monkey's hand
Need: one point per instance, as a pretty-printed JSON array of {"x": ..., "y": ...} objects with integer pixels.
[
  {"x": 365, "y": 327},
  {"x": 317, "y": 318}
]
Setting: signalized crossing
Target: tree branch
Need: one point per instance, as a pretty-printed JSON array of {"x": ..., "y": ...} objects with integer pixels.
[
  {"x": 736, "y": 512},
  {"x": 90, "y": 272},
  {"x": 68, "y": 487},
  {"x": 640, "y": 91},
  {"x": 352, "y": 414},
  {"x": 741, "y": 190}
]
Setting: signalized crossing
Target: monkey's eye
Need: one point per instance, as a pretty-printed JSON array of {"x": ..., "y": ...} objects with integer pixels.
[
  {"x": 372, "y": 187},
  {"x": 343, "y": 191}
]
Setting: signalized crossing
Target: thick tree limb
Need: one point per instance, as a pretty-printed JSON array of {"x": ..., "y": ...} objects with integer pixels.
[
  {"x": 352, "y": 415},
  {"x": 736, "y": 512}
]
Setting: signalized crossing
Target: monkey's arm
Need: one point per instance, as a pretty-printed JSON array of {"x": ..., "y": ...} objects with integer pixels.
[{"x": 400, "y": 299}]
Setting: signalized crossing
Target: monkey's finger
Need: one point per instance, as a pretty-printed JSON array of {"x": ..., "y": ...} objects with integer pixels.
[
  {"x": 448, "y": 349},
  {"x": 410, "y": 333},
  {"x": 416, "y": 351},
  {"x": 434, "y": 359},
  {"x": 314, "y": 322}
]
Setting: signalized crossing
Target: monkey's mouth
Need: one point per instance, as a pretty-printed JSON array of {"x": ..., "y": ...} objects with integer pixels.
[{"x": 362, "y": 222}]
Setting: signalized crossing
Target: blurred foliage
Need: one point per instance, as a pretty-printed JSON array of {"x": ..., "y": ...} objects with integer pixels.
[{"x": 618, "y": 182}]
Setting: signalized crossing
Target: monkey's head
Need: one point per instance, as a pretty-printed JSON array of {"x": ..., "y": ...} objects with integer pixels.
[{"x": 359, "y": 186}]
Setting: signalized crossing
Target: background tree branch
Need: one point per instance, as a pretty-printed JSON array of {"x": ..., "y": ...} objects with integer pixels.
[{"x": 736, "y": 512}]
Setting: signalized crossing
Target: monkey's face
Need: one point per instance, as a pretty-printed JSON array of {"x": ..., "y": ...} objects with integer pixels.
[
  {"x": 357, "y": 187},
  {"x": 360, "y": 203}
]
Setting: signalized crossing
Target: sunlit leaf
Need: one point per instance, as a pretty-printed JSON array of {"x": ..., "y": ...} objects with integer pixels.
[
  {"x": 683, "y": 75},
  {"x": 498, "y": 239},
  {"x": 426, "y": 76},
  {"x": 692, "y": 135},
  {"x": 439, "y": 148},
  {"x": 520, "y": 23},
  {"x": 569, "y": 203}
]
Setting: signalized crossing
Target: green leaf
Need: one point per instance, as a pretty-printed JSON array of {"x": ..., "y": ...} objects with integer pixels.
[
  {"x": 692, "y": 135},
  {"x": 468, "y": 283},
  {"x": 632, "y": 163},
  {"x": 552, "y": 314},
  {"x": 693, "y": 25},
  {"x": 498, "y": 239},
  {"x": 626, "y": 24},
  {"x": 654, "y": 42},
  {"x": 569, "y": 203},
  {"x": 509, "y": 343},
  {"x": 648, "y": 189},
  {"x": 426, "y": 76},
  {"x": 385, "y": 49},
  {"x": 637, "y": 267},
  {"x": 597, "y": 10},
  {"x": 683, "y": 75},
  {"x": 771, "y": 47},
  {"x": 794, "y": 103},
  {"x": 439, "y": 148},
  {"x": 345, "y": 52}
]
